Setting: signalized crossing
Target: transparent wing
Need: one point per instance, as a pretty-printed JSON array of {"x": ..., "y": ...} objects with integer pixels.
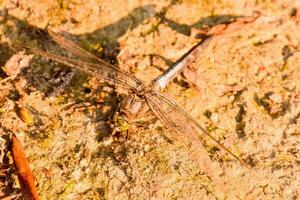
[
  {"x": 86, "y": 56},
  {"x": 103, "y": 71},
  {"x": 74, "y": 48},
  {"x": 184, "y": 129},
  {"x": 177, "y": 114}
]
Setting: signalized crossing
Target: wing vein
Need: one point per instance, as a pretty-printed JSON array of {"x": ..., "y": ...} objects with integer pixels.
[
  {"x": 195, "y": 124},
  {"x": 89, "y": 68}
]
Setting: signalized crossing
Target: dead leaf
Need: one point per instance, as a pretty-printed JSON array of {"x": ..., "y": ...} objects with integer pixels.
[{"x": 24, "y": 173}]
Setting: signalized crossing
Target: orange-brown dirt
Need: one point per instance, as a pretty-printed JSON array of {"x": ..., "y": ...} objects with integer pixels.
[{"x": 244, "y": 88}]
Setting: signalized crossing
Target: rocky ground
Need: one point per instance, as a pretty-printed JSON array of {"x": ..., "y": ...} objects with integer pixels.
[{"x": 244, "y": 88}]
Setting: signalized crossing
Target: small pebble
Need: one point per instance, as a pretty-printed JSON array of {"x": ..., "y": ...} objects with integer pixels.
[
  {"x": 147, "y": 148},
  {"x": 276, "y": 98},
  {"x": 57, "y": 80},
  {"x": 215, "y": 117}
]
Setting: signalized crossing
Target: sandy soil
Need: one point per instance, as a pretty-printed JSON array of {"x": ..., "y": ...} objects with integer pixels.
[{"x": 244, "y": 88}]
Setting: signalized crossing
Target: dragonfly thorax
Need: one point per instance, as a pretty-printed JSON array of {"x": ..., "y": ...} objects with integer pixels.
[{"x": 140, "y": 90}]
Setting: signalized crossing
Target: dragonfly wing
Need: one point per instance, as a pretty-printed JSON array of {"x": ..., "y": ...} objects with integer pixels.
[
  {"x": 73, "y": 48},
  {"x": 187, "y": 119},
  {"x": 184, "y": 129},
  {"x": 103, "y": 72},
  {"x": 86, "y": 56}
]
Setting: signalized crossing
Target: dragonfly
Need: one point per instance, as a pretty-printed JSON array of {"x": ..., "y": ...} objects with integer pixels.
[{"x": 183, "y": 128}]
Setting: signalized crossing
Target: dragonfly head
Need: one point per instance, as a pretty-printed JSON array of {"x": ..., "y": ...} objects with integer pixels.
[{"x": 133, "y": 106}]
